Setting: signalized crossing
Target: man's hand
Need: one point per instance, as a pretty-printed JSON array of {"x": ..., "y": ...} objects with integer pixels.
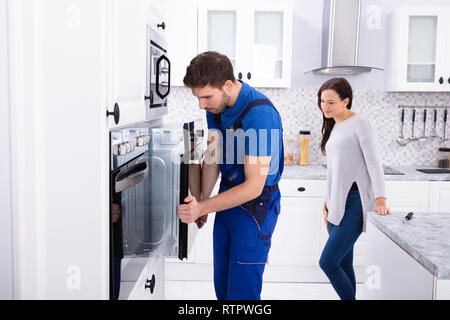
[
  {"x": 201, "y": 221},
  {"x": 189, "y": 212},
  {"x": 115, "y": 212}
]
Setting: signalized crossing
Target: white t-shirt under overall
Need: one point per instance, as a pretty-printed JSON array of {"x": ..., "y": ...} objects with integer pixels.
[{"x": 352, "y": 155}]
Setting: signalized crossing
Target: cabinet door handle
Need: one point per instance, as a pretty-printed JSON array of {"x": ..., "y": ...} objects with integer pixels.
[
  {"x": 162, "y": 25},
  {"x": 115, "y": 113},
  {"x": 301, "y": 189},
  {"x": 448, "y": 80},
  {"x": 441, "y": 80},
  {"x": 150, "y": 284},
  {"x": 240, "y": 75},
  {"x": 249, "y": 76}
]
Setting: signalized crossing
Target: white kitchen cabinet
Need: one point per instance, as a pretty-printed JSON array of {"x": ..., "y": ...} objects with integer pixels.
[
  {"x": 419, "y": 58},
  {"x": 59, "y": 149},
  {"x": 301, "y": 235},
  {"x": 127, "y": 59},
  {"x": 391, "y": 271},
  {"x": 149, "y": 284},
  {"x": 181, "y": 27},
  {"x": 407, "y": 196},
  {"x": 256, "y": 36},
  {"x": 300, "y": 228},
  {"x": 439, "y": 196},
  {"x": 160, "y": 8}
]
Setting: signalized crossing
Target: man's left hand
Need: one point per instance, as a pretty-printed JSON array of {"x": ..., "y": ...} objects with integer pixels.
[{"x": 190, "y": 211}]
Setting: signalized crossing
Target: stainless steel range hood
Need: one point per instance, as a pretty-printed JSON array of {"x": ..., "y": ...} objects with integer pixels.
[{"x": 340, "y": 38}]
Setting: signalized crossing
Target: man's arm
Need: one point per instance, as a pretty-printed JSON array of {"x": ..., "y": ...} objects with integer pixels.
[
  {"x": 209, "y": 172},
  {"x": 256, "y": 170}
]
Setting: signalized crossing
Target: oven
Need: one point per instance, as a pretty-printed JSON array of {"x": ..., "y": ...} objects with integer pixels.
[
  {"x": 153, "y": 169},
  {"x": 158, "y": 75}
]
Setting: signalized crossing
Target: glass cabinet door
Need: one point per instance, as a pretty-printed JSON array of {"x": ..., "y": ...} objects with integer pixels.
[
  {"x": 269, "y": 47},
  {"x": 267, "y": 57},
  {"x": 422, "y": 47},
  {"x": 256, "y": 37},
  {"x": 221, "y": 33}
]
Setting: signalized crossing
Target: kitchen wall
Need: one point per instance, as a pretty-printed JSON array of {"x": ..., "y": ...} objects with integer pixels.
[
  {"x": 298, "y": 104},
  {"x": 299, "y": 111},
  {"x": 5, "y": 186}
]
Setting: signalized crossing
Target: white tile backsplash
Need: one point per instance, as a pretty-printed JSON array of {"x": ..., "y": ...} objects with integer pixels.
[{"x": 299, "y": 111}]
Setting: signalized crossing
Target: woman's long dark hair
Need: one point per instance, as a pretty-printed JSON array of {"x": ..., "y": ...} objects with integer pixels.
[{"x": 344, "y": 90}]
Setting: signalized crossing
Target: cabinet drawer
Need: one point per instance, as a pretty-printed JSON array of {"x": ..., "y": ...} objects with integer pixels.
[{"x": 302, "y": 188}]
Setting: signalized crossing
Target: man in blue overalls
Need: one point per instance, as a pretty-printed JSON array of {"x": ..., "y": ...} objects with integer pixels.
[{"x": 245, "y": 143}]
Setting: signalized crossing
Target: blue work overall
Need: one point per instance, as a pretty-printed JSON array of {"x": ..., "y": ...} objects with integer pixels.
[{"x": 242, "y": 235}]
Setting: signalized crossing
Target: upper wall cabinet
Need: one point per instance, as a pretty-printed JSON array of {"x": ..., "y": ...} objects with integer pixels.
[
  {"x": 255, "y": 35},
  {"x": 126, "y": 53},
  {"x": 419, "y": 58}
]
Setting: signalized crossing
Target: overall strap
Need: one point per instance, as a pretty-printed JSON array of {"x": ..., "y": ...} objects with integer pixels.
[
  {"x": 258, "y": 102},
  {"x": 238, "y": 123}
]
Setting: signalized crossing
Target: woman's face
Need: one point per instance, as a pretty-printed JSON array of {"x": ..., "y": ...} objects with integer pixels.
[{"x": 331, "y": 103}]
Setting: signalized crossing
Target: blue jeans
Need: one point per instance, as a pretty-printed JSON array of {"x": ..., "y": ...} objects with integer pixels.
[{"x": 337, "y": 256}]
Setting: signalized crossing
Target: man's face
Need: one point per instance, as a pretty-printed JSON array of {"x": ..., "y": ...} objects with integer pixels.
[{"x": 211, "y": 99}]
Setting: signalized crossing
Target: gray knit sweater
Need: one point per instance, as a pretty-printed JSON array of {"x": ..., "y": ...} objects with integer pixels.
[{"x": 352, "y": 155}]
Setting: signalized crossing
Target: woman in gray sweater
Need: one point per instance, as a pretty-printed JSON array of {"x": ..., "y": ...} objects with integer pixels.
[{"x": 355, "y": 182}]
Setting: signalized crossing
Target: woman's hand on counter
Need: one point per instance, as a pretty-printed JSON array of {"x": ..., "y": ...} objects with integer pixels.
[{"x": 381, "y": 207}]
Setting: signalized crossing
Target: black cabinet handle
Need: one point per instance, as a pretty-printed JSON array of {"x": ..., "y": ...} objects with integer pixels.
[
  {"x": 150, "y": 97},
  {"x": 162, "y": 25},
  {"x": 441, "y": 80},
  {"x": 150, "y": 284},
  {"x": 160, "y": 84},
  {"x": 301, "y": 189},
  {"x": 249, "y": 76},
  {"x": 115, "y": 113},
  {"x": 448, "y": 80},
  {"x": 240, "y": 75}
]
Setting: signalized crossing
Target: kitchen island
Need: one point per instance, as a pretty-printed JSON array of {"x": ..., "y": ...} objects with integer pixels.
[{"x": 408, "y": 259}]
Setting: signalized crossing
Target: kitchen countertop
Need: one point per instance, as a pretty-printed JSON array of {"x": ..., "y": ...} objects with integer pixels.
[
  {"x": 425, "y": 238},
  {"x": 319, "y": 172}
]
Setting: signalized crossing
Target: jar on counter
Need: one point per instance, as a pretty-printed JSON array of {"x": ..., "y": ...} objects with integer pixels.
[
  {"x": 304, "y": 148},
  {"x": 444, "y": 157},
  {"x": 289, "y": 151}
]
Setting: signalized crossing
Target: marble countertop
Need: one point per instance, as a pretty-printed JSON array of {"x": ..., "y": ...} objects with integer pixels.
[
  {"x": 425, "y": 237},
  {"x": 319, "y": 172}
]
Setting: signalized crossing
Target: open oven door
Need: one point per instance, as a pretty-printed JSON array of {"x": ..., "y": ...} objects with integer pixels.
[
  {"x": 190, "y": 180},
  {"x": 183, "y": 234},
  {"x": 174, "y": 176}
]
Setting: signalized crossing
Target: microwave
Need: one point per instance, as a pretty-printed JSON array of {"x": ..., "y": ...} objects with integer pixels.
[{"x": 157, "y": 76}]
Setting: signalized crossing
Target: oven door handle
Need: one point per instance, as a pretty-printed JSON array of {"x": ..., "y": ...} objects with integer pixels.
[
  {"x": 160, "y": 70},
  {"x": 125, "y": 181}
]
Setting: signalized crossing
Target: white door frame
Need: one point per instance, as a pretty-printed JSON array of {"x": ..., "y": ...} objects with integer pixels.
[{"x": 6, "y": 267}]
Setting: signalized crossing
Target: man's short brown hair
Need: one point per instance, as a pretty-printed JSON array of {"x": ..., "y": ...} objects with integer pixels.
[{"x": 209, "y": 68}]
